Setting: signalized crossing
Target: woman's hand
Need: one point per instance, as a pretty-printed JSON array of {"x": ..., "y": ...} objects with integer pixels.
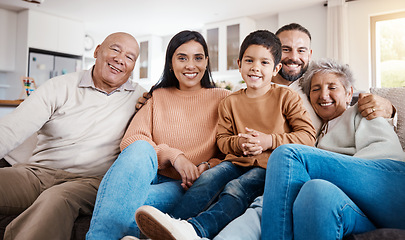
[{"x": 187, "y": 170}]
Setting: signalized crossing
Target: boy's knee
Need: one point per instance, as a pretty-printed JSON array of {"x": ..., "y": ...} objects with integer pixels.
[
  {"x": 213, "y": 174},
  {"x": 235, "y": 189}
]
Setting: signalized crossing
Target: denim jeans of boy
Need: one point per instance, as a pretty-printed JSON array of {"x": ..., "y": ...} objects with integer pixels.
[
  {"x": 353, "y": 196},
  {"x": 132, "y": 181},
  {"x": 246, "y": 226},
  {"x": 226, "y": 190}
]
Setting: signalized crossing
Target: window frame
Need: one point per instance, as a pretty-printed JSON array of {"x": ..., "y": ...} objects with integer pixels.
[{"x": 373, "y": 43}]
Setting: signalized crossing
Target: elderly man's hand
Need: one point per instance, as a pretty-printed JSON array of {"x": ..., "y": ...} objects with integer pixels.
[
  {"x": 372, "y": 106},
  {"x": 142, "y": 100}
]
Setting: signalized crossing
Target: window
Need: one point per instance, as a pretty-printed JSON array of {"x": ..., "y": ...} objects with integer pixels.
[
  {"x": 388, "y": 50},
  {"x": 232, "y": 41},
  {"x": 212, "y": 41}
]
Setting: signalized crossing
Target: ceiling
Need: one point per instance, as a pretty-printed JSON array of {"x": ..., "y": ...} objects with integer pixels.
[{"x": 157, "y": 17}]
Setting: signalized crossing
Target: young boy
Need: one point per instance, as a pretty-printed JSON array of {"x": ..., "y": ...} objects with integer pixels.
[{"x": 252, "y": 123}]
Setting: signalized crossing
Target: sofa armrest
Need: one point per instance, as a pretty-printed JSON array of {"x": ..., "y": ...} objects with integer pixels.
[{"x": 379, "y": 234}]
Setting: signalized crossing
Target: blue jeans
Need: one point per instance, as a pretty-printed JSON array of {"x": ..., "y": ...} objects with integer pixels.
[
  {"x": 235, "y": 188},
  {"x": 246, "y": 226},
  {"x": 356, "y": 195},
  {"x": 132, "y": 181}
]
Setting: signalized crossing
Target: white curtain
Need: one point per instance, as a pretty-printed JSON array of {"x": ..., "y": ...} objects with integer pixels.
[{"x": 337, "y": 31}]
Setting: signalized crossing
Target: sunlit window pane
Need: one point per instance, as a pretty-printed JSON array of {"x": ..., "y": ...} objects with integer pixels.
[{"x": 390, "y": 53}]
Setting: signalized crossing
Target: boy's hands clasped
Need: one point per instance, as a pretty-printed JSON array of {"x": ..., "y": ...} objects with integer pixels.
[{"x": 254, "y": 142}]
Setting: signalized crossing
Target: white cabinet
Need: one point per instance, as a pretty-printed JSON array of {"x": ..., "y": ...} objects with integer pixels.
[
  {"x": 224, "y": 39},
  {"x": 8, "y": 35},
  {"x": 54, "y": 33},
  {"x": 149, "y": 65},
  {"x": 71, "y": 36},
  {"x": 41, "y": 31}
]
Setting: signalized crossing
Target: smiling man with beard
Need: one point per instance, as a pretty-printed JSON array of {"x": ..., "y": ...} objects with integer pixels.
[
  {"x": 296, "y": 56},
  {"x": 296, "y": 53}
]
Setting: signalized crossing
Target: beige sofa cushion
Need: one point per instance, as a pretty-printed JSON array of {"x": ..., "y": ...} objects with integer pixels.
[{"x": 397, "y": 98}]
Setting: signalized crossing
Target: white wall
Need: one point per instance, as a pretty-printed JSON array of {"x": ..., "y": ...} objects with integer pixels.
[
  {"x": 359, "y": 13},
  {"x": 21, "y": 58},
  {"x": 268, "y": 23},
  {"x": 3, "y": 85},
  {"x": 313, "y": 18},
  {"x": 8, "y": 34},
  {"x": 316, "y": 24}
]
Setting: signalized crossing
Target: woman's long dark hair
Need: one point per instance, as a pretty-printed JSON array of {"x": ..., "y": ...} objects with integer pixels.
[{"x": 168, "y": 79}]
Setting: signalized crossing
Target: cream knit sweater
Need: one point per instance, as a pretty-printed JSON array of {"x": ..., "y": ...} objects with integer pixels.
[{"x": 79, "y": 128}]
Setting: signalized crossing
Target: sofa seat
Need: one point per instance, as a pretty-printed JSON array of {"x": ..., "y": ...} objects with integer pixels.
[
  {"x": 79, "y": 231},
  {"x": 395, "y": 95},
  {"x": 80, "y": 228}
]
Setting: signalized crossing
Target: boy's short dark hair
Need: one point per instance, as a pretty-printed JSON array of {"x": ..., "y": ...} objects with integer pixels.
[
  {"x": 263, "y": 38},
  {"x": 294, "y": 27}
]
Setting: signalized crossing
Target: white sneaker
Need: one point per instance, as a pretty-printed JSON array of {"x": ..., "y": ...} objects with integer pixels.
[
  {"x": 159, "y": 226},
  {"x": 129, "y": 238}
]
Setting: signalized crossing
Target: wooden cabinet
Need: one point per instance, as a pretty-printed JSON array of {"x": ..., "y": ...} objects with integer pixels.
[{"x": 8, "y": 35}]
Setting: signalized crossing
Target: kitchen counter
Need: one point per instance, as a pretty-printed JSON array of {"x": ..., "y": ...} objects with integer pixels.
[{"x": 10, "y": 103}]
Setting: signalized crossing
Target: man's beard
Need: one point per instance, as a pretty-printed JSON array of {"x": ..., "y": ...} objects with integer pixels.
[{"x": 292, "y": 77}]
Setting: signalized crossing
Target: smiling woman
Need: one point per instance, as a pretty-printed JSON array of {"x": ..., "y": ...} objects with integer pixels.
[
  {"x": 168, "y": 144},
  {"x": 188, "y": 65},
  {"x": 328, "y": 96},
  {"x": 342, "y": 187}
]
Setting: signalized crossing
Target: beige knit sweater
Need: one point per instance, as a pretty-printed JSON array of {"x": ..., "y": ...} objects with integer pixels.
[{"x": 79, "y": 128}]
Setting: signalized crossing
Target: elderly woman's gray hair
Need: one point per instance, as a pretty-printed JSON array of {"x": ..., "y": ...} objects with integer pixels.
[{"x": 327, "y": 66}]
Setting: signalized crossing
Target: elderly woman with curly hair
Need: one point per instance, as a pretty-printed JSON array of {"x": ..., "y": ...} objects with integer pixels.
[{"x": 353, "y": 181}]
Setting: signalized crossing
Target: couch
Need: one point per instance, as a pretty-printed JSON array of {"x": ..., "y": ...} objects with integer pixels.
[
  {"x": 395, "y": 95},
  {"x": 80, "y": 227}
]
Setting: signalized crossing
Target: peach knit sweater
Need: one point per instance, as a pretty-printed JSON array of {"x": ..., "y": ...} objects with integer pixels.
[{"x": 176, "y": 122}]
